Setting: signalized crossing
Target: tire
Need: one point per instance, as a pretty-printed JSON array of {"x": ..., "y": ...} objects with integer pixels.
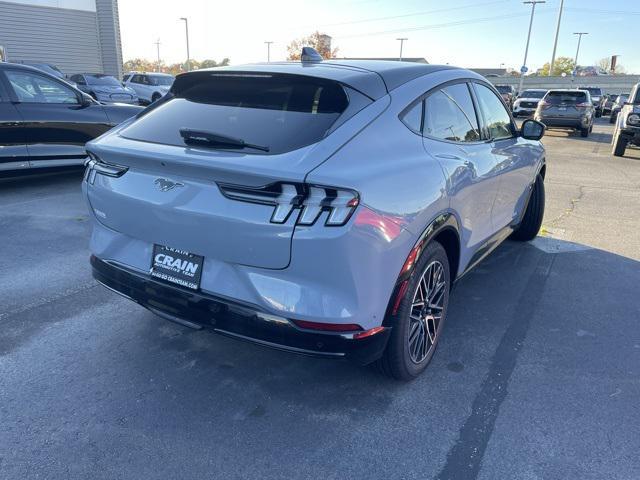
[
  {"x": 619, "y": 144},
  {"x": 591, "y": 128},
  {"x": 532, "y": 218},
  {"x": 399, "y": 360},
  {"x": 612, "y": 119},
  {"x": 584, "y": 132},
  {"x": 598, "y": 113}
]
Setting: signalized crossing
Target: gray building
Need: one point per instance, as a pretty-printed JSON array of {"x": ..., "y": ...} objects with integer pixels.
[{"x": 74, "y": 35}]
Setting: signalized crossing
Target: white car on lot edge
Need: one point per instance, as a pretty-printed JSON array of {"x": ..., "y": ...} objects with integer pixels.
[
  {"x": 527, "y": 101},
  {"x": 149, "y": 86}
]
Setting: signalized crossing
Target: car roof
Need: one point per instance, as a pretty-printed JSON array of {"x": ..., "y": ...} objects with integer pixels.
[
  {"x": 20, "y": 66},
  {"x": 374, "y": 78},
  {"x": 567, "y": 90}
]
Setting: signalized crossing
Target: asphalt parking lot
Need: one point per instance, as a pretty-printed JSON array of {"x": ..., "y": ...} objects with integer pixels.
[{"x": 537, "y": 376}]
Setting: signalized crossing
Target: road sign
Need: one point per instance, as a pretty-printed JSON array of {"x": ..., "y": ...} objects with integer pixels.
[{"x": 523, "y": 69}]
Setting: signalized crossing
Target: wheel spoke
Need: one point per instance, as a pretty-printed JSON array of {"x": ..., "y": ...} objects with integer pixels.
[{"x": 426, "y": 312}]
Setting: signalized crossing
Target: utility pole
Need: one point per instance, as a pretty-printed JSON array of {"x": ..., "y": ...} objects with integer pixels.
[
  {"x": 575, "y": 68},
  {"x": 186, "y": 30},
  {"x": 555, "y": 43},
  {"x": 523, "y": 69},
  {"x": 268, "y": 51},
  {"x": 157, "y": 44},
  {"x": 401, "y": 40}
]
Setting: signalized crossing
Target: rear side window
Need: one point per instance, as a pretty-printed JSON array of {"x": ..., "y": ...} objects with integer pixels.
[
  {"x": 565, "y": 98},
  {"x": 412, "y": 118},
  {"x": 449, "y": 115},
  {"x": 280, "y": 111}
]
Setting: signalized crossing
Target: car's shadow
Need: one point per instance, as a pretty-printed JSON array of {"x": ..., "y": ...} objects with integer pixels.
[{"x": 484, "y": 305}]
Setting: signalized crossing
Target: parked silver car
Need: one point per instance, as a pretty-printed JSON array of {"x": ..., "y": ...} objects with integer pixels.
[
  {"x": 318, "y": 207},
  {"x": 105, "y": 88},
  {"x": 567, "y": 109}
]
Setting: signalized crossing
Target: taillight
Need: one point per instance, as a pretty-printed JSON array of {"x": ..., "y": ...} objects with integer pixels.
[
  {"x": 96, "y": 166},
  {"x": 309, "y": 200},
  {"x": 583, "y": 105}
]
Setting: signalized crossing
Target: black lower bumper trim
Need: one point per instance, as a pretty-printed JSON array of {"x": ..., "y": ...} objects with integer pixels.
[{"x": 227, "y": 317}]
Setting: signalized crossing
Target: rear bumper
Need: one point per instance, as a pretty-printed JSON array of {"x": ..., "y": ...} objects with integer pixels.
[
  {"x": 574, "y": 122},
  {"x": 231, "y": 318}
]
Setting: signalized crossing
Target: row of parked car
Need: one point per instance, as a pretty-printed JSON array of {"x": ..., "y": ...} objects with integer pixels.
[
  {"x": 136, "y": 88},
  {"x": 564, "y": 108},
  {"x": 46, "y": 117}
]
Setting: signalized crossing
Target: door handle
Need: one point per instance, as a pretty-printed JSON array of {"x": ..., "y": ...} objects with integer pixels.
[{"x": 448, "y": 156}]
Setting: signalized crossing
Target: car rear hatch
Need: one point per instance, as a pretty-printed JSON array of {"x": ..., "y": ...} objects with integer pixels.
[
  {"x": 564, "y": 104},
  {"x": 194, "y": 192}
]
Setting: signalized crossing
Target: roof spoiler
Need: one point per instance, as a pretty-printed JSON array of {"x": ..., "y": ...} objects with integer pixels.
[{"x": 310, "y": 55}]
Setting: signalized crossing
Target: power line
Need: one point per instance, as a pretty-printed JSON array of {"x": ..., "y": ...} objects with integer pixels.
[
  {"x": 406, "y": 15},
  {"x": 438, "y": 25},
  {"x": 591, "y": 10}
]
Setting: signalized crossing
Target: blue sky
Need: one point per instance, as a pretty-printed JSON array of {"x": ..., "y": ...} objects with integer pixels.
[{"x": 468, "y": 33}]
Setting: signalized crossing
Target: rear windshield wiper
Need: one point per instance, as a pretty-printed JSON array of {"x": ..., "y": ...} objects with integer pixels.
[{"x": 210, "y": 139}]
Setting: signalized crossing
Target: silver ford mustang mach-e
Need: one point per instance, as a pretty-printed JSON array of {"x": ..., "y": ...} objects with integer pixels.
[{"x": 319, "y": 207}]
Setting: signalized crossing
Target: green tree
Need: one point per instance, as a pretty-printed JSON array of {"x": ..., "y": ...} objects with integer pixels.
[
  {"x": 561, "y": 65},
  {"x": 208, "y": 63},
  {"x": 139, "y": 65},
  {"x": 320, "y": 41},
  {"x": 143, "y": 65}
]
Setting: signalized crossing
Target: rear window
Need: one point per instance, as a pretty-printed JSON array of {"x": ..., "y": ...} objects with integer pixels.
[
  {"x": 594, "y": 91},
  {"x": 557, "y": 98},
  {"x": 533, "y": 93},
  {"x": 503, "y": 88},
  {"x": 282, "y": 112}
]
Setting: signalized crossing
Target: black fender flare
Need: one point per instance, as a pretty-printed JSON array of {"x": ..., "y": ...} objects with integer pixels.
[{"x": 444, "y": 221}]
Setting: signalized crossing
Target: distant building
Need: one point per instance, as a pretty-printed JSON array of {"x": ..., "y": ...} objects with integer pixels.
[
  {"x": 395, "y": 59},
  {"x": 74, "y": 35}
]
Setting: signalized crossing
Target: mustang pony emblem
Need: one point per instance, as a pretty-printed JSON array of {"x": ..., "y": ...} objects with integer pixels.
[{"x": 165, "y": 185}]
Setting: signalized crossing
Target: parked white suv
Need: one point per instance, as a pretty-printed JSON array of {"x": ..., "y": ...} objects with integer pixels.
[{"x": 149, "y": 86}]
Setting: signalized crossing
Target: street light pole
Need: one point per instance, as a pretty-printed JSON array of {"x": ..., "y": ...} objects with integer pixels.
[
  {"x": 575, "y": 62},
  {"x": 401, "y": 40},
  {"x": 157, "y": 42},
  {"x": 533, "y": 4},
  {"x": 268, "y": 51},
  {"x": 186, "y": 30},
  {"x": 555, "y": 43}
]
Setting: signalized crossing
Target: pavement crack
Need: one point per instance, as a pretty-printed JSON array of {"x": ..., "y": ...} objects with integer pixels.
[{"x": 572, "y": 206}]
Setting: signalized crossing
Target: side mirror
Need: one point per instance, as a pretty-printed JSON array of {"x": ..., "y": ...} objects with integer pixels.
[
  {"x": 532, "y": 130},
  {"x": 86, "y": 100}
]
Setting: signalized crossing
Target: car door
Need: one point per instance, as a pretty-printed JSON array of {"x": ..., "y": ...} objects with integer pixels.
[
  {"x": 136, "y": 84},
  {"x": 13, "y": 148},
  {"x": 146, "y": 88},
  {"x": 451, "y": 134},
  {"x": 516, "y": 158},
  {"x": 57, "y": 123}
]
